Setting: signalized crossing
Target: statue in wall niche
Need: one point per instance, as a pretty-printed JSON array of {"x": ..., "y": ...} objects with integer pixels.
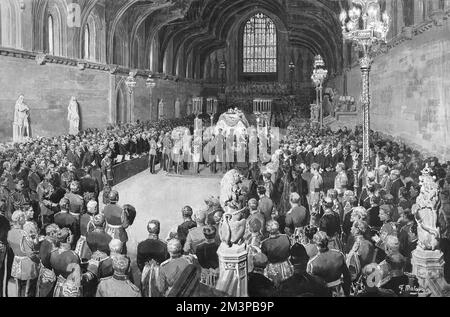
[
  {"x": 177, "y": 108},
  {"x": 21, "y": 124},
  {"x": 161, "y": 110},
  {"x": 73, "y": 117},
  {"x": 426, "y": 213}
]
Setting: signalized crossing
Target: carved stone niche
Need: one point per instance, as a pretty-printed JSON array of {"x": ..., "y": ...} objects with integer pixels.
[{"x": 40, "y": 58}]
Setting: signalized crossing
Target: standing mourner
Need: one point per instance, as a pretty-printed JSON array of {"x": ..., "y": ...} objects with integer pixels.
[
  {"x": 118, "y": 285},
  {"x": 315, "y": 188},
  {"x": 4, "y": 229},
  {"x": 25, "y": 269},
  {"x": 65, "y": 262},
  {"x": 150, "y": 254},
  {"x": 330, "y": 266}
]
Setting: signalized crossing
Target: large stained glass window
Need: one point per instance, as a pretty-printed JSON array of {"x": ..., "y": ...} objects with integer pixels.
[{"x": 260, "y": 45}]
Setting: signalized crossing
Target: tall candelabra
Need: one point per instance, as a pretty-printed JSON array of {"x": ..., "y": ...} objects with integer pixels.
[
  {"x": 364, "y": 25},
  {"x": 318, "y": 77},
  {"x": 212, "y": 106},
  {"x": 150, "y": 83}
]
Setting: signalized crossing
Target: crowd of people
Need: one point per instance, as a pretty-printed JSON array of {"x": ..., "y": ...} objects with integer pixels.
[{"x": 319, "y": 225}]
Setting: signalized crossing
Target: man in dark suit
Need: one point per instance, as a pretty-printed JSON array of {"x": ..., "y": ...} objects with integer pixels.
[
  {"x": 297, "y": 216},
  {"x": 73, "y": 156},
  {"x": 258, "y": 284},
  {"x": 265, "y": 204},
  {"x": 91, "y": 158},
  {"x": 89, "y": 184}
]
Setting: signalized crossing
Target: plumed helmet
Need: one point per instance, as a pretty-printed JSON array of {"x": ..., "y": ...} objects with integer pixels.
[{"x": 113, "y": 196}]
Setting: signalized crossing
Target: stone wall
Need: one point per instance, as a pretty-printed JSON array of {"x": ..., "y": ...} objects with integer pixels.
[
  {"x": 48, "y": 88},
  {"x": 410, "y": 89}
]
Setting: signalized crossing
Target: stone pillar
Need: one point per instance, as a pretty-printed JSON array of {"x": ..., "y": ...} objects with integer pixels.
[
  {"x": 233, "y": 274},
  {"x": 428, "y": 266}
]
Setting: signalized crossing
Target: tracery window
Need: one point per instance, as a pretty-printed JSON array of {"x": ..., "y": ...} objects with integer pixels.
[
  {"x": 87, "y": 42},
  {"x": 260, "y": 45},
  {"x": 51, "y": 36}
]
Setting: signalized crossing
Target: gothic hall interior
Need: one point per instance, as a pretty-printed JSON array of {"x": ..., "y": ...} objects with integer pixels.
[{"x": 212, "y": 148}]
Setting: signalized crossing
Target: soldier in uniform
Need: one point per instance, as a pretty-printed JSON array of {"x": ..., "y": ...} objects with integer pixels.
[
  {"x": 394, "y": 264},
  {"x": 330, "y": 265},
  {"x": 100, "y": 263},
  {"x": 276, "y": 247},
  {"x": 341, "y": 180},
  {"x": 5, "y": 198},
  {"x": 86, "y": 226},
  {"x": 152, "y": 155},
  {"x": 26, "y": 262},
  {"x": 107, "y": 171},
  {"x": 98, "y": 239},
  {"x": 389, "y": 227},
  {"x": 33, "y": 181},
  {"x": 166, "y": 152},
  {"x": 258, "y": 284},
  {"x": 44, "y": 190},
  {"x": 315, "y": 189},
  {"x": 171, "y": 270},
  {"x": 195, "y": 235},
  {"x": 64, "y": 219},
  {"x": 363, "y": 250},
  {"x": 19, "y": 196},
  {"x": 331, "y": 225},
  {"x": 75, "y": 200},
  {"x": 4, "y": 229},
  {"x": 116, "y": 220},
  {"x": 188, "y": 223},
  {"x": 301, "y": 283},
  {"x": 47, "y": 278},
  {"x": 63, "y": 261},
  {"x": 397, "y": 183},
  {"x": 118, "y": 285},
  {"x": 150, "y": 254},
  {"x": 89, "y": 185},
  {"x": 207, "y": 251}
]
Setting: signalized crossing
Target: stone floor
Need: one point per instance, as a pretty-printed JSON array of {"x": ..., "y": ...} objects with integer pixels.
[{"x": 160, "y": 197}]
